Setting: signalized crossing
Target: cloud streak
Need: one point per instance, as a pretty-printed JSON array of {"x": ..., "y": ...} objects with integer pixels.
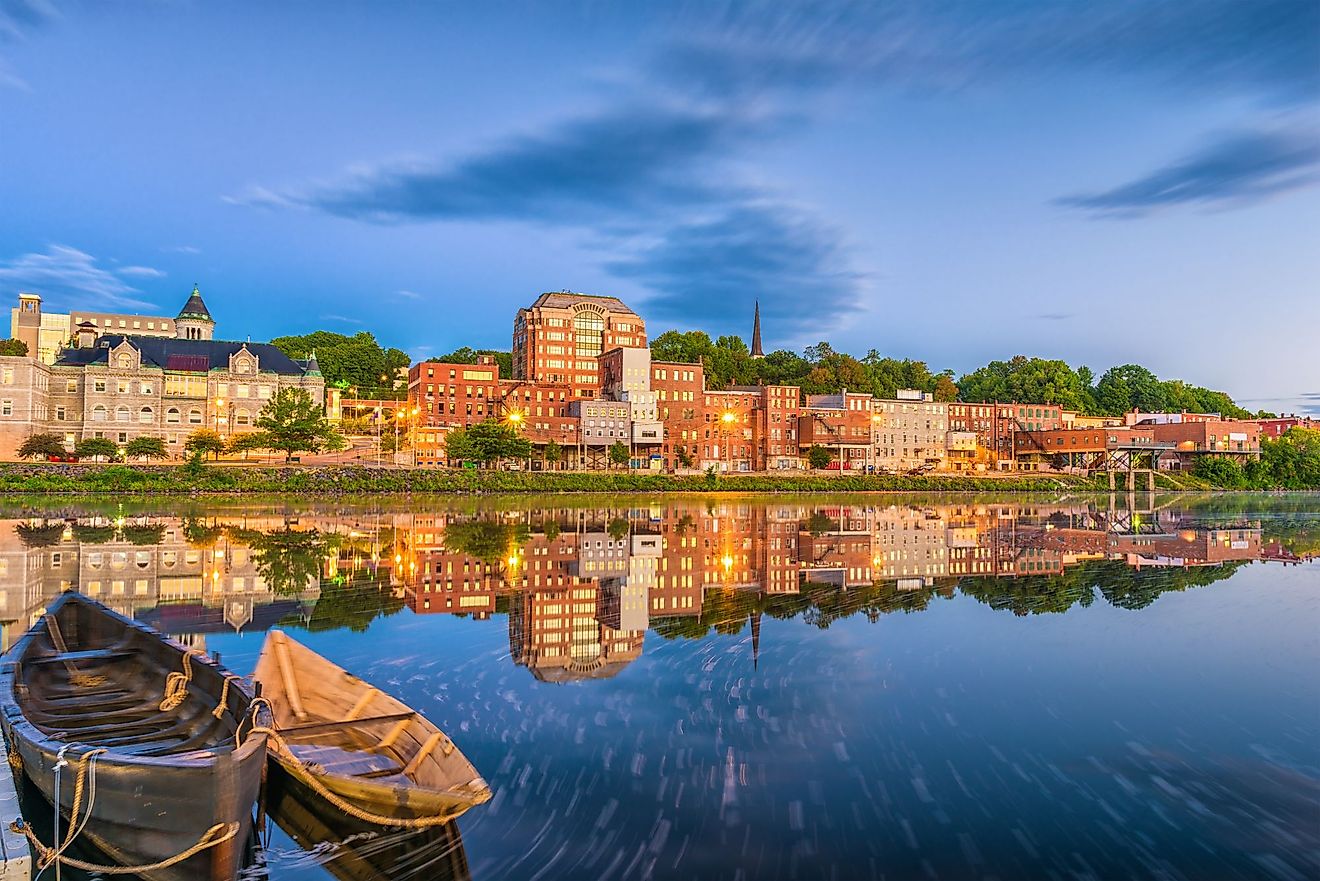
[
  {"x": 67, "y": 275},
  {"x": 1234, "y": 169}
]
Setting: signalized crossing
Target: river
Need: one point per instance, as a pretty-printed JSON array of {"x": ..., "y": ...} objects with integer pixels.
[{"x": 723, "y": 687}]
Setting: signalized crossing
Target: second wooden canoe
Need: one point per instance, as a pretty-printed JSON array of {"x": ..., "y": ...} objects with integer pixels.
[{"x": 377, "y": 756}]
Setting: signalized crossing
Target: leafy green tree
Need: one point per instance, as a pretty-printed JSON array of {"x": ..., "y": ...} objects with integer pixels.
[
  {"x": 96, "y": 448},
  {"x": 552, "y": 453},
  {"x": 618, "y": 528},
  {"x": 294, "y": 423},
  {"x": 288, "y": 559},
  {"x": 247, "y": 442},
  {"x": 490, "y": 541},
  {"x": 819, "y": 457},
  {"x": 469, "y": 355},
  {"x": 487, "y": 443},
  {"x": 13, "y": 347},
  {"x": 204, "y": 442},
  {"x": 684, "y": 456},
  {"x": 1023, "y": 379},
  {"x": 619, "y": 454},
  {"x": 41, "y": 446},
  {"x": 1129, "y": 387},
  {"x": 1291, "y": 462},
  {"x": 1221, "y": 471},
  {"x": 144, "y": 447},
  {"x": 357, "y": 361},
  {"x": 41, "y": 535}
]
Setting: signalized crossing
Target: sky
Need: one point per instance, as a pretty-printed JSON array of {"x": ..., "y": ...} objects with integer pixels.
[{"x": 1131, "y": 181}]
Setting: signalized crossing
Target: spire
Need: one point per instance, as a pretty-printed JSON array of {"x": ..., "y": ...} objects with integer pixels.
[
  {"x": 195, "y": 308},
  {"x": 756, "y": 639},
  {"x": 756, "y": 333},
  {"x": 313, "y": 369}
]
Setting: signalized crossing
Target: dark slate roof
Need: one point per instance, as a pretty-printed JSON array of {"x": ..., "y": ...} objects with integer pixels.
[
  {"x": 195, "y": 308},
  {"x": 196, "y": 356}
]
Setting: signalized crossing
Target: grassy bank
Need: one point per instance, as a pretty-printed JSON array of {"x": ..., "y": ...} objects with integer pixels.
[{"x": 175, "y": 480}]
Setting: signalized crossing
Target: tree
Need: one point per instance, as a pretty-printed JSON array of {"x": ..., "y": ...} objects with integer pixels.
[
  {"x": 684, "y": 456},
  {"x": 42, "y": 446},
  {"x": 1221, "y": 471},
  {"x": 1026, "y": 380},
  {"x": 487, "y": 443},
  {"x": 819, "y": 457},
  {"x": 247, "y": 442},
  {"x": 96, "y": 447},
  {"x": 619, "y": 453},
  {"x": 13, "y": 347},
  {"x": 358, "y": 361},
  {"x": 552, "y": 452},
  {"x": 204, "y": 442},
  {"x": 293, "y": 423},
  {"x": 144, "y": 447},
  {"x": 469, "y": 355}
]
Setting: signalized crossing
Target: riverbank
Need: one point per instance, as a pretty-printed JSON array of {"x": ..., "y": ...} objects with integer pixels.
[{"x": 341, "y": 480}]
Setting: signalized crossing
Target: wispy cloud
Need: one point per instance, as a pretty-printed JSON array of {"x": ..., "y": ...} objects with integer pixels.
[
  {"x": 183, "y": 249},
  {"x": 408, "y": 295},
  {"x": 18, "y": 19},
  {"x": 656, "y": 173},
  {"x": 1233, "y": 169},
  {"x": 1055, "y": 316},
  {"x": 341, "y": 318},
  {"x": 66, "y": 276},
  {"x": 140, "y": 271}
]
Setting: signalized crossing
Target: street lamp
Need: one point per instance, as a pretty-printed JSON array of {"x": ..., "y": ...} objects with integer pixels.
[
  {"x": 728, "y": 418},
  {"x": 223, "y": 415}
]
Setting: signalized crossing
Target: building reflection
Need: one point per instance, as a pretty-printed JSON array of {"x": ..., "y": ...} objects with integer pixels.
[{"x": 581, "y": 587}]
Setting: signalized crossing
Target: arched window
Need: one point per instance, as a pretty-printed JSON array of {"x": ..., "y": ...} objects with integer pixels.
[
  {"x": 145, "y": 415},
  {"x": 194, "y": 416},
  {"x": 99, "y": 413},
  {"x": 242, "y": 418},
  {"x": 589, "y": 330},
  {"x": 172, "y": 416},
  {"x": 121, "y": 415}
]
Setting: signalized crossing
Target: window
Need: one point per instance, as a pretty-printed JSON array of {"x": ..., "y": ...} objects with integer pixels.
[
  {"x": 99, "y": 413},
  {"x": 122, "y": 385},
  {"x": 71, "y": 385},
  {"x": 123, "y": 437},
  {"x": 59, "y": 414},
  {"x": 243, "y": 418},
  {"x": 121, "y": 415},
  {"x": 145, "y": 388},
  {"x": 6, "y": 408},
  {"x": 98, "y": 385},
  {"x": 7, "y": 376},
  {"x": 172, "y": 415},
  {"x": 194, "y": 416},
  {"x": 145, "y": 415}
]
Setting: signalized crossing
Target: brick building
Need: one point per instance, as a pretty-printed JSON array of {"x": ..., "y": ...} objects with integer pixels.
[{"x": 558, "y": 338}]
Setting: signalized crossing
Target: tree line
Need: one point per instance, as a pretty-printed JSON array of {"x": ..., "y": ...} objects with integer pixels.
[{"x": 821, "y": 369}]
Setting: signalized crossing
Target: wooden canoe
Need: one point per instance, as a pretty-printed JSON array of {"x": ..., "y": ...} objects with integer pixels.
[
  {"x": 87, "y": 679},
  {"x": 351, "y": 850},
  {"x": 375, "y": 756}
]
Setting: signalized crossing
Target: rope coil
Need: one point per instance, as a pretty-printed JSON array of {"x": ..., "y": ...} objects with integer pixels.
[{"x": 176, "y": 684}]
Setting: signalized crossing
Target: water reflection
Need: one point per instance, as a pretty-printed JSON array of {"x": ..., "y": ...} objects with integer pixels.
[
  {"x": 771, "y": 687},
  {"x": 581, "y": 585}
]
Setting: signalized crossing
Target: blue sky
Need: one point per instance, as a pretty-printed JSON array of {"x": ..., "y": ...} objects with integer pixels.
[{"x": 952, "y": 181}]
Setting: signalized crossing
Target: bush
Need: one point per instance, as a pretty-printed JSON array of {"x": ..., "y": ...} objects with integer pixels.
[{"x": 1220, "y": 471}]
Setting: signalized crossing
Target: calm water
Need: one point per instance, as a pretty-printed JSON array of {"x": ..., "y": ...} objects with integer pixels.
[{"x": 851, "y": 687}]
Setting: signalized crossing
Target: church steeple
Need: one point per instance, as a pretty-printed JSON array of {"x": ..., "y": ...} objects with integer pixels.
[{"x": 756, "y": 333}]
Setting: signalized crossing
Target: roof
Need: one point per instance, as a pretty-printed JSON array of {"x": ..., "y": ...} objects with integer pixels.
[
  {"x": 188, "y": 356},
  {"x": 567, "y": 300},
  {"x": 196, "y": 308}
]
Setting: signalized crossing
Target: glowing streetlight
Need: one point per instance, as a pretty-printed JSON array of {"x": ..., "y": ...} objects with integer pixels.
[{"x": 515, "y": 417}]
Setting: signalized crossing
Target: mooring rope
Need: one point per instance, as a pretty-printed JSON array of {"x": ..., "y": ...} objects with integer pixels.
[
  {"x": 217, "y": 834},
  {"x": 176, "y": 684}
]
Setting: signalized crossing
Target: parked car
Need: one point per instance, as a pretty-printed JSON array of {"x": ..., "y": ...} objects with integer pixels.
[{"x": 67, "y": 457}]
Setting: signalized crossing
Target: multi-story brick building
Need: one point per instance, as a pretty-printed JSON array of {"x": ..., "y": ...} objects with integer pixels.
[
  {"x": 559, "y": 338},
  {"x": 1276, "y": 427},
  {"x": 680, "y": 404},
  {"x": 911, "y": 431},
  {"x": 844, "y": 423}
]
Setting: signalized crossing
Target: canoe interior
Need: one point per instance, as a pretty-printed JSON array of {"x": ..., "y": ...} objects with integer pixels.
[
  {"x": 366, "y": 744},
  {"x": 87, "y": 676}
]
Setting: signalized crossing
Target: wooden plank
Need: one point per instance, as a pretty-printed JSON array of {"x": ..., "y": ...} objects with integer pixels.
[
  {"x": 286, "y": 673},
  {"x": 335, "y": 724},
  {"x": 363, "y": 702},
  {"x": 422, "y": 753}
]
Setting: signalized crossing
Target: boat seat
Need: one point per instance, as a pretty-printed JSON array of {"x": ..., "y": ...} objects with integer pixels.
[
  {"x": 348, "y": 763},
  {"x": 87, "y": 655}
]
